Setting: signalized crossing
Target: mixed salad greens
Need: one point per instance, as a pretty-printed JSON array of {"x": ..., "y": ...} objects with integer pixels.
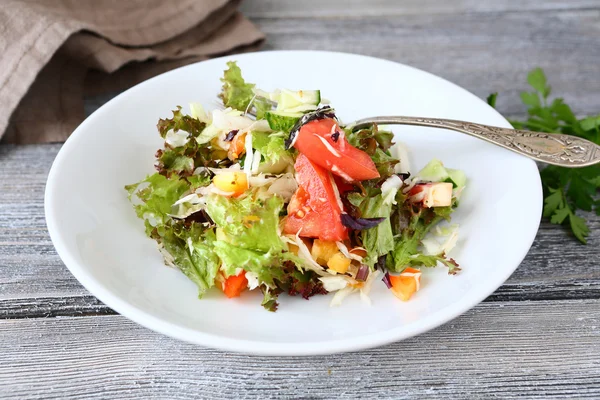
[{"x": 272, "y": 193}]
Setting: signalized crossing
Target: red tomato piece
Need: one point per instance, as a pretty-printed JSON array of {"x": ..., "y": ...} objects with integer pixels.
[
  {"x": 325, "y": 144},
  {"x": 342, "y": 185},
  {"x": 235, "y": 285},
  {"x": 315, "y": 208}
]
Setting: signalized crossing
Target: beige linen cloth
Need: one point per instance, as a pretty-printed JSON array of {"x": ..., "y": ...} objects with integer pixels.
[{"x": 52, "y": 52}]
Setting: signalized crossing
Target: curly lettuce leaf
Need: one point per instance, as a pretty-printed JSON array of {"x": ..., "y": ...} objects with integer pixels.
[
  {"x": 248, "y": 223},
  {"x": 185, "y": 154},
  {"x": 261, "y": 106},
  {"x": 367, "y": 139},
  {"x": 153, "y": 197},
  {"x": 271, "y": 145},
  {"x": 293, "y": 282},
  {"x": 265, "y": 264},
  {"x": 236, "y": 93},
  {"x": 180, "y": 121},
  {"x": 384, "y": 163},
  {"x": 412, "y": 226},
  {"x": 191, "y": 250}
]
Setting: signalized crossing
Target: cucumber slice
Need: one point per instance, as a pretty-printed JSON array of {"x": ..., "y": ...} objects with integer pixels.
[
  {"x": 457, "y": 177},
  {"x": 282, "y": 121},
  {"x": 288, "y": 99},
  {"x": 304, "y": 108},
  {"x": 434, "y": 171}
]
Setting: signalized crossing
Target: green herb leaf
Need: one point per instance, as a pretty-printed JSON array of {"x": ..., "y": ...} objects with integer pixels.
[
  {"x": 537, "y": 79},
  {"x": 491, "y": 99},
  {"x": 565, "y": 190},
  {"x": 579, "y": 228},
  {"x": 531, "y": 99}
]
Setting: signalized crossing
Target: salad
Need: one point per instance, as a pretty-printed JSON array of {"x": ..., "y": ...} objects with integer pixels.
[{"x": 273, "y": 193}]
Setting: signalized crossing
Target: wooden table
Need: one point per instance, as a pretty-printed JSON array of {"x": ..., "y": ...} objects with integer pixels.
[{"x": 536, "y": 336}]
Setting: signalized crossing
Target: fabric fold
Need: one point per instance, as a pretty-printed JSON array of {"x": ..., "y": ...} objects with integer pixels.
[{"x": 56, "y": 52}]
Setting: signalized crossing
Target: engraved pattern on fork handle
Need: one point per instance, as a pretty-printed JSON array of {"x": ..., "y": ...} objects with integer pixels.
[{"x": 557, "y": 149}]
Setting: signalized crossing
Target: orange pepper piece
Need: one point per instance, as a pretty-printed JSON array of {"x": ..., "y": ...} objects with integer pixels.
[
  {"x": 235, "y": 285},
  {"x": 406, "y": 284}
]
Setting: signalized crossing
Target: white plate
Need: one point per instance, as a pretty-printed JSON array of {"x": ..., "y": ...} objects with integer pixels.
[{"x": 98, "y": 236}]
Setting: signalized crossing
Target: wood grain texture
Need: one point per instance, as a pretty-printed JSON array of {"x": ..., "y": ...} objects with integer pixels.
[
  {"x": 360, "y": 8},
  {"x": 538, "y": 336},
  {"x": 506, "y": 350},
  {"x": 483, "y": 52}
]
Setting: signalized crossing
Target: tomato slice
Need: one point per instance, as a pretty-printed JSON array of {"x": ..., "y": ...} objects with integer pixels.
[
  {"x": 325, "y": 144},
  {"x": 315, "y": 209}
]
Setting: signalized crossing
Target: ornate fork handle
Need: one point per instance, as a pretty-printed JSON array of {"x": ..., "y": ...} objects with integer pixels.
[{"x": 550, "y": 148}]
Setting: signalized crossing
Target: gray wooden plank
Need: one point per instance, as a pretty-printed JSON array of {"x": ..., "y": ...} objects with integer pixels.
[
  {"x": 360, "y": 8},
  {"x": 483, "y": 53},
  {"x": 532, "y": 349}
]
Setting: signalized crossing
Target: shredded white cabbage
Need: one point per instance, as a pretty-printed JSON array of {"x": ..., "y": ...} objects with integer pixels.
[
  {"x": 336, "y": 192},
  {"x": 177, "y": 139},
  {"x": 229, "y": 119},
  {"x": 252, "y": 278},
  {"x": 457, "y": 192},
  {"x": 366, "y": 289},
  {"x": 249, "y": 155},
  {"x": 256, "y": 162},
  {"x": 389, "y": 188},
  {"x": 341, "y": 295},
  {"x": 197, "y": 111},
  {"x": 400, "y": 152},
  {"x": 339, "y": 172},
  {"x": 328, "y": 146},
  {"x": 169, "y": 259},
  {"x": 232, "y": 168},
  {"x": 432, "y": 246},
  {"x": 187, "y": 205},
  {"x": 344, "y": 250},
  {"x": 285, "y": 186},
  {"x": 304, "y": 253},
  {"x": 261, "y": 180},
  {"x": 333, "y": 283}
]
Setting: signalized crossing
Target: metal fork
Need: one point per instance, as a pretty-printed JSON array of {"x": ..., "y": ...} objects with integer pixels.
[{"x": 550, "y": 148}]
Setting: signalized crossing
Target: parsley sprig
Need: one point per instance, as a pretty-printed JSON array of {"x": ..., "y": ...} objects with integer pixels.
[{"x": 566, "y": 190}]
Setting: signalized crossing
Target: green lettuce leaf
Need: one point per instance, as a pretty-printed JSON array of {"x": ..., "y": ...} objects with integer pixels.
[
  {"x": 267, "y": 265},
  {"x": 384, "y": 163},
  {"x": 261, "y": 106},
  {"x": 153, "y": 197},
  {"x": 379, "y": 240},
  {"x": 293, "y": 282},
  {"x": 271, "y": 146},
  {"x": 236, "y": 93},
  {"x": 249, "y": 223},
  {"x": 411, "y": 226},
  {"x": 182, "y": 160},
  {"x": 180, "y": 121},
  {"x": 368, "y": 139},
  {"x": 192, "y": 252}
]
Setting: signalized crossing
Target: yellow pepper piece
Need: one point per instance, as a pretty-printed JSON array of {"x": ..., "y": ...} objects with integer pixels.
[
  {"x": 235, "y": 182},
  {"x": 339, "y": 263}
]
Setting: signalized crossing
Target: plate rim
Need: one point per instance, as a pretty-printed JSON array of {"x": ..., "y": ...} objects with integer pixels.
[{"x": 265, "y": 348}]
